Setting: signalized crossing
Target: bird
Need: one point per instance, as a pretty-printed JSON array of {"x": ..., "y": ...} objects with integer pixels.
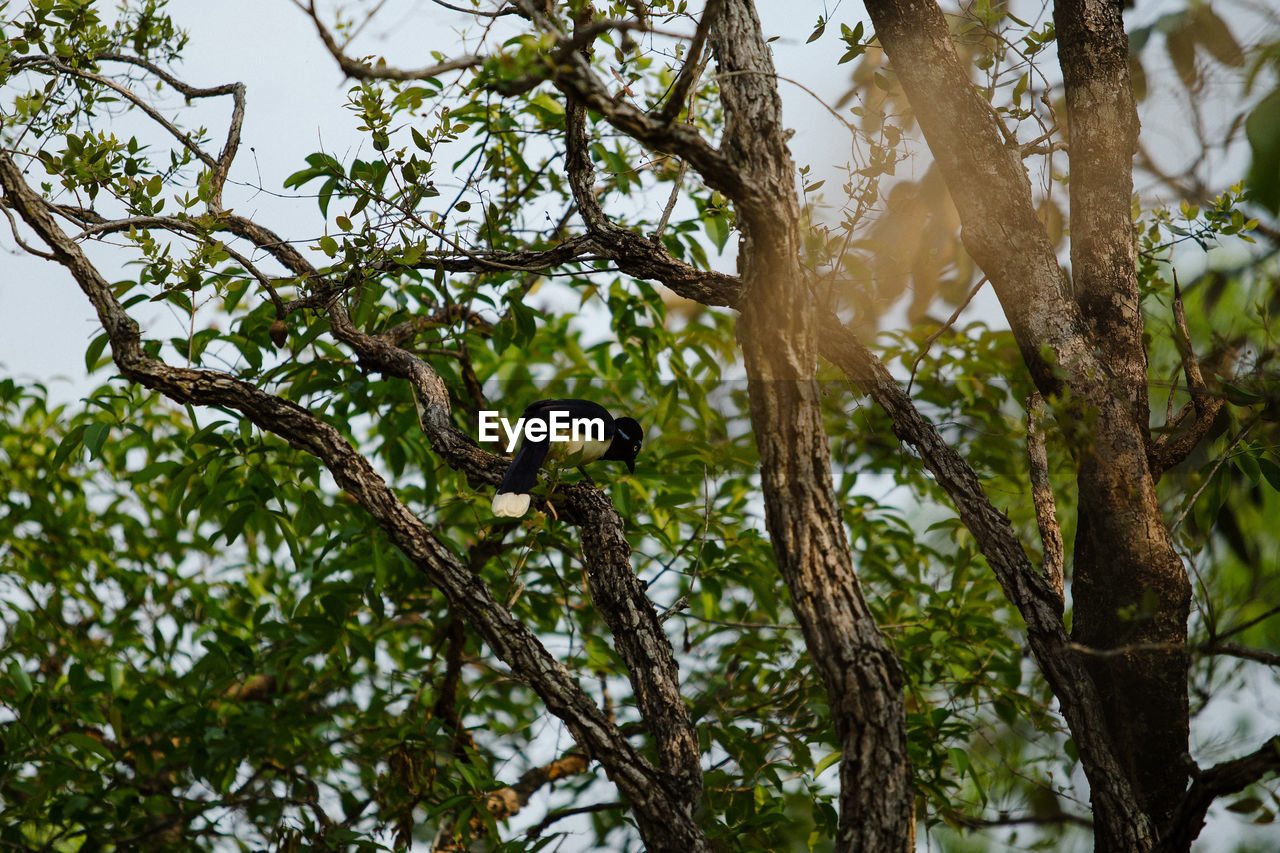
[{"x": 616, "y": 439}]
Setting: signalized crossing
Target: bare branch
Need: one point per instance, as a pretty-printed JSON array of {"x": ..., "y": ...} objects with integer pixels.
[
  {"x": 360, "y": 70},
  {"x": 1236, "y": 650},
  {"x": 692, "y": 68},
  {"x": 129, "y": 95},
  {"x": 955, "y": 315},
  {"x": 560, "y": 814},
  {"x": 1184, "y": 432},
  {"x": 1190, "y": 365},
  {"x": 502, "y": 12},
  {"x": 1042, "y": 495},
  {"x": 17, "y": 238},
  {"x": 1221, "y": 779},
  {"x": 1191, "y": 502},
  {"x": 1244, "y": 626},
  {"x": 236, "y": 90},
  {"x": 572, "y": 74}
]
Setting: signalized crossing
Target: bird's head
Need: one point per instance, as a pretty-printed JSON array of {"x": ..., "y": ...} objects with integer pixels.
[{"x": 627, "y": 441}]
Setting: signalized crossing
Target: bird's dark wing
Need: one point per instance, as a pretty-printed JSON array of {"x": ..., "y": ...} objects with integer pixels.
[
  {"x": 522, "y": 474},
  {"x": 574, "y": 409}
]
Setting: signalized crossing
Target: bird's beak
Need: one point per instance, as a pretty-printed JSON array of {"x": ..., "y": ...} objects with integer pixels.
[{"x": 631, "y": 465}]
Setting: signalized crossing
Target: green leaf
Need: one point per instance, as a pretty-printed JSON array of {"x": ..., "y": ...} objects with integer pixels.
[
  {"x": 1244, "y": 805},
  {"x": 1270, "y": 471},
  {"x": 88, "y": 744},
  {"x": 20, "y": 680},
  {"x": 549, "y": 106},
  {"x": 1263, "y": 130},
  {"x": 93, "y": 353},
  {"x": 718, "y": 230},
  {"x": 95, "y": 435},
  {"x": 68, "y": 445}
]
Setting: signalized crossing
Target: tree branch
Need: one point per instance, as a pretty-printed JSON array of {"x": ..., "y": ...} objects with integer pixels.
[
  {"x": 1093, "y": 52},
  {"x": 1036, "y": 600},
  {"x": 1225, "y": 778},
  {"x": 360, "y": 70},
  {"x": 1042, "y": 495},
  {"x": 778, "y": 331},
  {"x": 506, "y": 802},
  {"x": 692, "y": 64},
  {"x": 614, "y": 588},
  {"x": 1000, "y": 227},
  {"x": 666, "y": 825},
  {"x": 574, "y": 76},
  {"x": 130, "y": 96},
  {"x": 1188, "y": 428},
  {"x": 1236, "y": 650}
]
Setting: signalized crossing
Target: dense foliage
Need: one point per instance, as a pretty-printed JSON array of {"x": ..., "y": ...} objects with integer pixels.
[{"x": 210, "y": 645}]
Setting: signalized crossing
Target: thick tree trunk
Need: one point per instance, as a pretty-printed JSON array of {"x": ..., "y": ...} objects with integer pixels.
[
  {"x": 776, "y": 330},
  {"x": 1130, "y": 588}
]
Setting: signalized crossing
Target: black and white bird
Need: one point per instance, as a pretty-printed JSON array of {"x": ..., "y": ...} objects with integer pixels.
[{"x": 618, "y": 439}]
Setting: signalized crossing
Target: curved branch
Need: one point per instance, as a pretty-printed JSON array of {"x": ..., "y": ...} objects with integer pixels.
[
  {"x": 692, "y": 64},
  {"x": 359, "y": 70},
  {"x": 666, "y": 825},
  {"x": 130, "y": 96},
  {"x": 614, "y": 587},
  {"x": 221, "y": 166},
  {"x": 1225, "y": 778}
]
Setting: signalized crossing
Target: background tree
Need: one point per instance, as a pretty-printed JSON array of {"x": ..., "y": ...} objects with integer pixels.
[{"x": 254, "y": 594}]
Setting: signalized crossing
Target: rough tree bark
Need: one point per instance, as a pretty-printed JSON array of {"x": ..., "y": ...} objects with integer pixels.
[
  {"x": 1126, "y": 710},
  {"x": 662, "y": 799},
  {"x": 1124, "y": 558},
  {"x": 777, "y": 331},
  {"x": 1124, "y": 561}
]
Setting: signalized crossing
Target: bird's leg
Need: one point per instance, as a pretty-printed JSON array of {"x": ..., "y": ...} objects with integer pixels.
[
  {"x": 555, "y": 483},
  {"x": 585, "y": 475}
]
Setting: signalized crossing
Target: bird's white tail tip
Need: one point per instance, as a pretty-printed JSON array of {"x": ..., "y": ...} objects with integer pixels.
[{"x": 510, "y": 505}]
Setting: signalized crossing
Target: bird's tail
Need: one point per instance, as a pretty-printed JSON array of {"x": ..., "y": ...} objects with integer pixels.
[{"x": 512, "y": 499}]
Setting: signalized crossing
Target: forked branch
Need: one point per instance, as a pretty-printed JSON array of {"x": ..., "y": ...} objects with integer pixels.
[{"x": 1219, "y": 780}]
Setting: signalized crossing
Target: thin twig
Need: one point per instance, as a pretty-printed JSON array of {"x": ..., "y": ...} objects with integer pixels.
[
  {"x": 1042, "y": 495},
  {"x": 955, "y": 315},
  {"x": 693, "y": 65},
  {"x": 1244, "y": 626},
  {"x": 364, "y": 71},
  {"x": 31, "y": 250},
  {"x": 1190, "y": 366},
  {"x": 537, "y": 828},
  {"x": 1209, "y": 479}
]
